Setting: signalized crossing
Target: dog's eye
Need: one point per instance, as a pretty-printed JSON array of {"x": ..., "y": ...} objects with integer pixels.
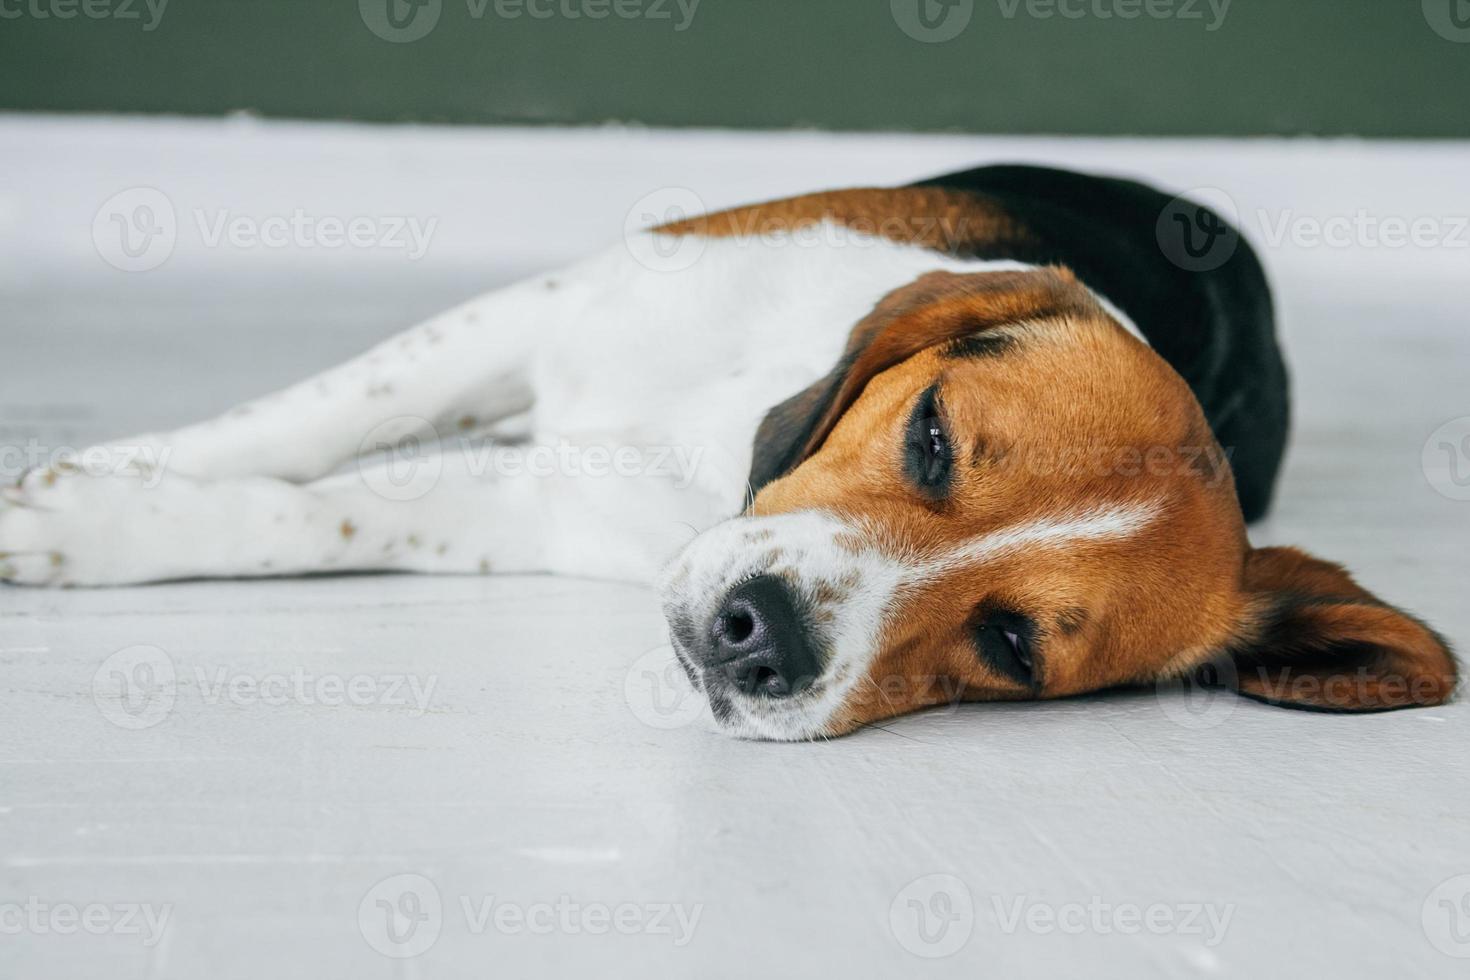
[
  {"x": 927, "y": 451},
  {"x": 1004, "y": 641}
]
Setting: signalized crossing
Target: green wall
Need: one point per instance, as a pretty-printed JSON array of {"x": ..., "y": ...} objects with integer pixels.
[{"x": 1174, "y": 67}]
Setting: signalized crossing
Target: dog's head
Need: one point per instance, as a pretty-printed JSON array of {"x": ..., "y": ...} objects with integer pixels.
[{"x": 1001, "y": 494}]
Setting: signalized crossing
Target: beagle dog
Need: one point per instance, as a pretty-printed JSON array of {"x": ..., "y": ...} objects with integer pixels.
[{"x": 992, "y": 436}]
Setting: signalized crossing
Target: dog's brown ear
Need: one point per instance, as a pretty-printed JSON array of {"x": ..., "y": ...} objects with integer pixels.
[
  {"x": 1315, "y": 639},
  {"x": 935, "y": 308}
]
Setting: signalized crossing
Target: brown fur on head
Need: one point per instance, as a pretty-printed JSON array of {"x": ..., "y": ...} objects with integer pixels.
[{"x": 1050, "y": 509}]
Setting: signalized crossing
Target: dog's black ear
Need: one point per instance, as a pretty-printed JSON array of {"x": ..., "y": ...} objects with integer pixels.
[
  {"x": 936, "y": 307},
  {"x": 1315, "y": 639}
]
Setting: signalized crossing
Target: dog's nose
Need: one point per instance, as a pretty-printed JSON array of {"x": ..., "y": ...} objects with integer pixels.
[{"x": 760, "y": 643}]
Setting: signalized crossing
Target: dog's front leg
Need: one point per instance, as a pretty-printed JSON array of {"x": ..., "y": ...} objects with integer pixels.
[
  {"x": 69, "y": 527},
  {"x": 467, "y": 368},
  {"x": 470, "y": 509}
]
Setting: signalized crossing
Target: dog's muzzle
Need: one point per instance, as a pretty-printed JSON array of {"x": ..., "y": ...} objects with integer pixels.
[
  {"x": 775, "y": 619},
  {"x": 758, "y": 643}
]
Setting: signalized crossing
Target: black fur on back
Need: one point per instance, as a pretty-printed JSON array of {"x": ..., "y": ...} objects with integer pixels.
[{"x": 1208, "y": 315}]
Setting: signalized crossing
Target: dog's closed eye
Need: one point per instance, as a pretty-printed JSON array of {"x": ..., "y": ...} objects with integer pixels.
[
  {"x": 1005, "y": 641},
  {"x": 928, "y": 455}
]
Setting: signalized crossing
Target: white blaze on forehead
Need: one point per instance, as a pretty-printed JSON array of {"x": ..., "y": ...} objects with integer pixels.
[{"x": 1098, "y": 524}]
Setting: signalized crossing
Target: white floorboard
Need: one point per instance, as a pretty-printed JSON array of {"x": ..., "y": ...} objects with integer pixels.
[{"x": 534, "y": 773}]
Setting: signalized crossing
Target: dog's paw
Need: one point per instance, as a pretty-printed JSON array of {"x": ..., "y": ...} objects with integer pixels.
[{"x": 61, "y": 525}]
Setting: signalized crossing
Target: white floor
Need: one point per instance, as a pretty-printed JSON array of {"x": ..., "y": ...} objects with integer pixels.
[{"x": 516, "y": 743}]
